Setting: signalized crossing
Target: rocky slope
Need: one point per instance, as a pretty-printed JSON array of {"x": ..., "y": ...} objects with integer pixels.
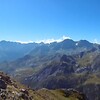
[{"x": 11, "y": 90}]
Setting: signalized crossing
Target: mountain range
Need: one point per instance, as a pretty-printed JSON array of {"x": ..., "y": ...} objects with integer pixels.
[
  {"x": 63, "y": 65},
  {"x": 10, "y": 51}
]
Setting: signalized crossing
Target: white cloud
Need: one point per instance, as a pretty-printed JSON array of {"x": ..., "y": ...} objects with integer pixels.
[
  {"x": 96, "y": 41},
  {"x": 53, "y": 40},
  {"x": 44, "y": 41},
  {"x": 22, "y": 42}
]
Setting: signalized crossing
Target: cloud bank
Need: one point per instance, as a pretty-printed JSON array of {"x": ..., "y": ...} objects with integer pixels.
[
  {"x": 45, "y": 40},
  {"x": 53, "y": 40},
  {"x": 96, "y": 41},
  {"x": 24, "y": 42}
]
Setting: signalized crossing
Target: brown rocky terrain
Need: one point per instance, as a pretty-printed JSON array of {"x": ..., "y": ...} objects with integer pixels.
[{"x": 12, "y": 90}]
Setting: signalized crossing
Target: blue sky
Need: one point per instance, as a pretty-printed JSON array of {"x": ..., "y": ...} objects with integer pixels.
[{"x": 35, "y": 20}]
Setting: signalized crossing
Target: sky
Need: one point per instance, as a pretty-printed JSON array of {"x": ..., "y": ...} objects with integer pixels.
[{"x": 49, "y": 20}]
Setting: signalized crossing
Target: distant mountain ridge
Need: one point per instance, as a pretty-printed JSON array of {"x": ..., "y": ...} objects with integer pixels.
[{"x": 13, "y": 50}]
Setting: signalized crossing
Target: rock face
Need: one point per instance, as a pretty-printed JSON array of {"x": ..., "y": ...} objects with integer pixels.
[
  {"x": 3, "y": 85},
  {"x": 93, "y": 89},
  {"x": 54, "y": 75},
  {"x": 10, "y": 90},
  {"x": 70, "y": 92}
]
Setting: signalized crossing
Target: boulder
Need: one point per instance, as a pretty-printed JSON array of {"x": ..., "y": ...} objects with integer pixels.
[{"x": 3, "y": 85}]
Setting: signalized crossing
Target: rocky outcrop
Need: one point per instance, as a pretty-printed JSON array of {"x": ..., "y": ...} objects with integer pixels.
[
  {"x": 92, "y": 91},
  {"x": 3, "y": 85},
  {"x": 79, "y": 95}
]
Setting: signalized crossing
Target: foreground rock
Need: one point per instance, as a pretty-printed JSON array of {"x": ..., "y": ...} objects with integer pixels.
[{"x": 11, "y": 90}]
